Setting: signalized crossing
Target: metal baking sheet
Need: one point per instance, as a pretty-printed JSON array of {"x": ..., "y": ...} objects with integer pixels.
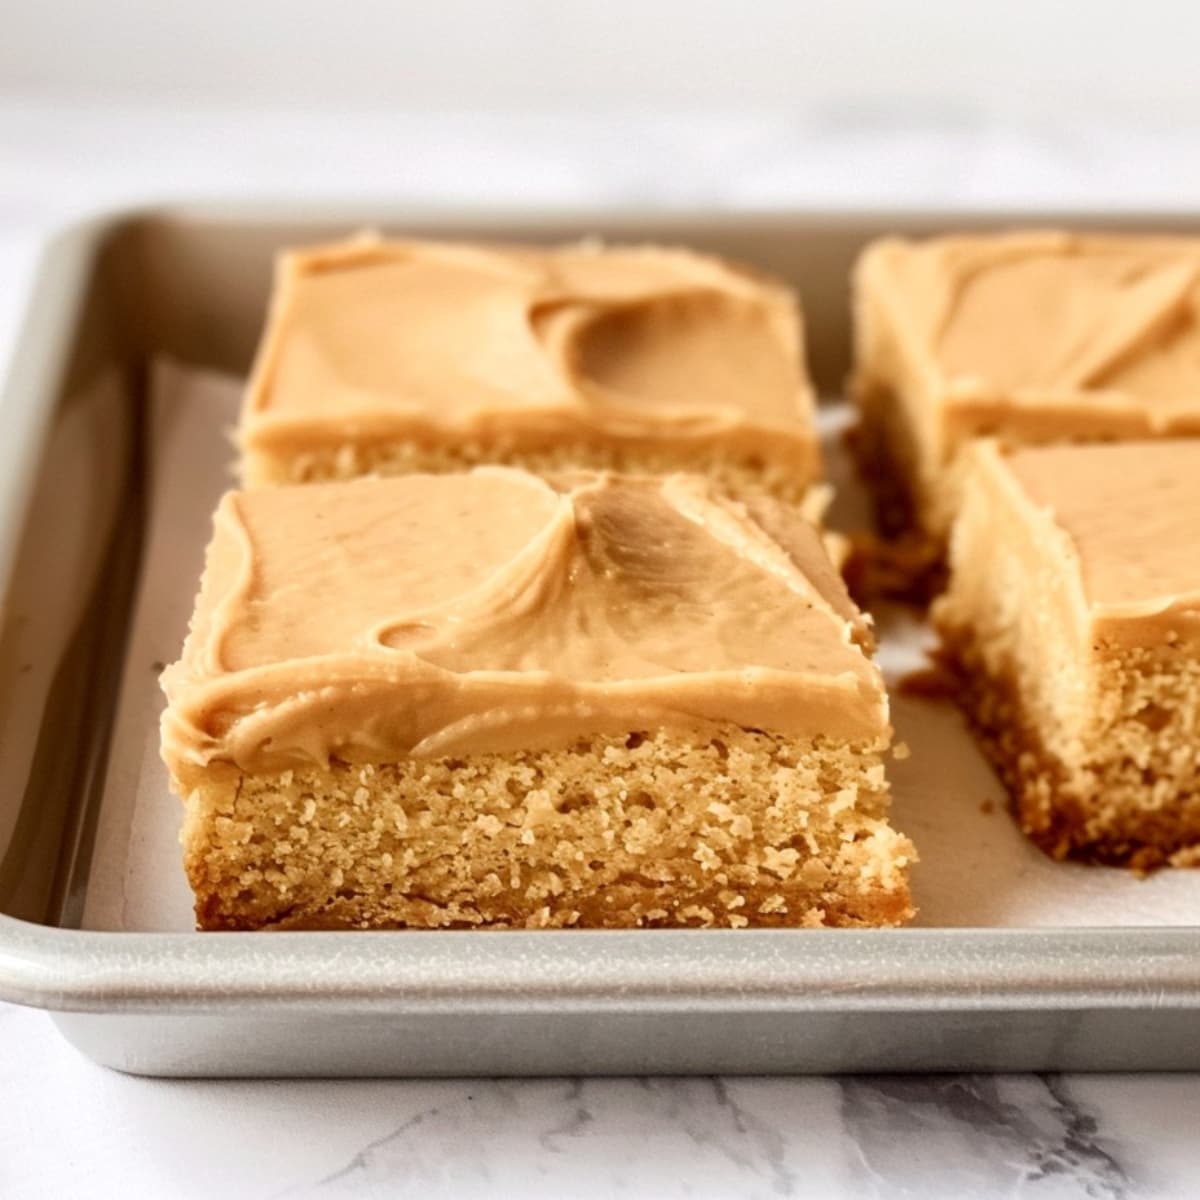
[{"x": 76, "y": 527}]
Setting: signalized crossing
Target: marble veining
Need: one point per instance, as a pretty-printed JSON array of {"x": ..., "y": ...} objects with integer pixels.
[
  {"x": 721, "y": 1126},
  {"x": 1016, "y": 1134},
  {"x": 962, "y": 1136}
]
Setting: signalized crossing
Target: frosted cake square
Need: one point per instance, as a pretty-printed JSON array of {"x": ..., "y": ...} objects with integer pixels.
[
  {"x": 1031, "y": 337},
  {"x": 501, "y": 700},
  {"x": 1073, "y": 615},
  {"x": 391, "y": 357}
]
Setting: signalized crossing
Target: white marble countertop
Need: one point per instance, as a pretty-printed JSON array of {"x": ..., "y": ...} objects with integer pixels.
[
  {"x": 70, "y": 1128},
  {"x": 73, "y": 1129}
]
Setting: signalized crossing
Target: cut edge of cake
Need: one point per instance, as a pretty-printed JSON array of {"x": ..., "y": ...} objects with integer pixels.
[
  {"x": 732, "y": 828},
  {"x": 1090, "y": 718}
]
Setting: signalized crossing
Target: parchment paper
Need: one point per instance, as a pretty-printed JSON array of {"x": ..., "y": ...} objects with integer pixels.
[{"x": 975, "y": 868}]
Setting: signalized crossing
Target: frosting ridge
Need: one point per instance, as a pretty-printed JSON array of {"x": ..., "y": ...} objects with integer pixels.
[
  {"x": 1080, "y": 333},
  {"x": 1122, "y": 517},
  {"x": 449, "y": 614}
]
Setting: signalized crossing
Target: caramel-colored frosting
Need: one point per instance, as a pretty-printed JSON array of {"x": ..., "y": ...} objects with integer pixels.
[
  {"x": 1119, "y": 521},
  {"x": 1043, "y": 334},
  {"x": 443, "y": 615},
  {"x": 373, "y": 340}
]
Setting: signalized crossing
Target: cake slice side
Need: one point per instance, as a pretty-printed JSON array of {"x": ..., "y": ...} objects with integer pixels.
[
  {"x": 725, "y": 829},
  {"x": 1080, "y": 675},
  {"x": 644, "y": 704}
]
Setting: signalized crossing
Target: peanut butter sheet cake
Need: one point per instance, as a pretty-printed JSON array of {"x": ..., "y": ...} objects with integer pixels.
[{"x": 497, "y": 699}]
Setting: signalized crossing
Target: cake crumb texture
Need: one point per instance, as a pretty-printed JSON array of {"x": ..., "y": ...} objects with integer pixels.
[
  {"x": 1125, "y": 792},
  {"x": 735, "y": 473},
  {"x": 731, "y": 829}
]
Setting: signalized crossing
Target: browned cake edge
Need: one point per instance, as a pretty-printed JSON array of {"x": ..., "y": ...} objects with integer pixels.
[
  {"x": 655, "y": 830},
  {"x": 1065, "y": 820},
  {"x": 906, "y": 561}
]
